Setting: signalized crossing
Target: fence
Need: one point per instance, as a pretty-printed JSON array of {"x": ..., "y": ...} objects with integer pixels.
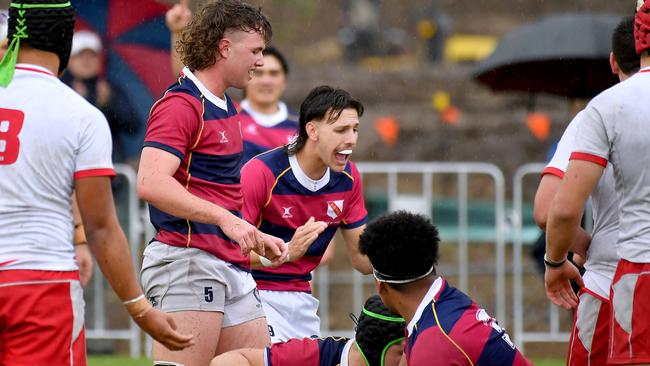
[
  {"x": 138, "y": 229},
  {"x": 427, "y": 170}
]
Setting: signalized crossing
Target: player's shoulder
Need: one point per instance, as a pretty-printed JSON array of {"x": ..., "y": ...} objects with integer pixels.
[
  {"x": 626, "y": 91},
  {"x": 78, "y": 107},
  {"x": 275, "y": 160}
]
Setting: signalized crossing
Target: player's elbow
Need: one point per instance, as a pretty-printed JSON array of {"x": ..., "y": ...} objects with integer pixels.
[
  {"x": 540, "y": 216},
  {"x": 145, "y": 190},
  {"x": 563, "y": 213},
  {"x": 362, "y": 264}
]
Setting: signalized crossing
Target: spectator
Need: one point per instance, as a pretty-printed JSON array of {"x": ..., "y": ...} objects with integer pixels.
[
  {"x": 266, "y": 121},
  {"x": 83, "y": 75}
]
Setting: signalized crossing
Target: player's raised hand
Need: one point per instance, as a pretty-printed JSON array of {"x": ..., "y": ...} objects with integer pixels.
[
  {"x": 558, "y": 285},
  {"x": 243, "y": 233},
  {"x": 179, "y": 16},
  {"x": 162, "y": 328},
  {"x": 304, "y": 237}
]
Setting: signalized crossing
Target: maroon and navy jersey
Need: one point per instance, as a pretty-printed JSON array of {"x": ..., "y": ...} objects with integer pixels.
[
  {"x": 330, "y": 351},
  {"x": 450, "y": 329},
  {"x": 259, "y": 138},
  {"x": 203, "y": 131},
  {"x": 277, "y": 201}
]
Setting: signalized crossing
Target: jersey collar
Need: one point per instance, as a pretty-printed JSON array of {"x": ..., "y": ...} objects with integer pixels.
[
  {"x": 221, "y": 103},
  {"x": 34, "y": 68},
  {"x": 304, "y": 180},
  {"x": 266, "y": 120},
  {"x": 430, "y": 296}
]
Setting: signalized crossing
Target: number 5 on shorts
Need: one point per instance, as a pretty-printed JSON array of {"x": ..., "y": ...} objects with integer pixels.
[
  {"x": 11, "y": 122},
  {"x": 209, "y": 295}
]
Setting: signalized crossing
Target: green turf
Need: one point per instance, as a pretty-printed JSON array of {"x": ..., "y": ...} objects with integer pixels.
[
  {"x": 117, "y": 360},
  {"x": 126, "y": 361}
]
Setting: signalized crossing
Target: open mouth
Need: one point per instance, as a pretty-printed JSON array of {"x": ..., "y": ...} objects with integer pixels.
[{"x": 343, "y": 155}]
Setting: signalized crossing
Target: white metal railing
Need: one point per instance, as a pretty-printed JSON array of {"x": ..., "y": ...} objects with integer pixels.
[{"x": 324, "y": 276}]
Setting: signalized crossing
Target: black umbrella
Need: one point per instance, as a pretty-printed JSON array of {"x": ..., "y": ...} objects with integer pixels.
[{"x": 565, "y": 54}]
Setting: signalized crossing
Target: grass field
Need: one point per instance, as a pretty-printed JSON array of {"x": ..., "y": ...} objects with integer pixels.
[{"x": 126, "y": 361}]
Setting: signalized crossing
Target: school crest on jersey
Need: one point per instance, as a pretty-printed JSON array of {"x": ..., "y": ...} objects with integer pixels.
[{"x": 334, "y": 208}]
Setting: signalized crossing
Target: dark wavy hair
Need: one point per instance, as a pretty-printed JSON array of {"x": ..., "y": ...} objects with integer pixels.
[
  {"x": 623, "y": 46},
  {"x": 274, "y": 52},
  {"x": 197, "y": 46},
  {"x": 377, "y": 329},
  {"x": 322, "y": 101},
  {"x": 401, "y": 244},
  {"x": 47, "y": 29}
]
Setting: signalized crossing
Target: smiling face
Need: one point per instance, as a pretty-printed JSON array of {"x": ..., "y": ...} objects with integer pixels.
[
  {"x": 334, "y": 141},
  {"x": 268, "y": 83},
  {"x": 242, "y": 54}
]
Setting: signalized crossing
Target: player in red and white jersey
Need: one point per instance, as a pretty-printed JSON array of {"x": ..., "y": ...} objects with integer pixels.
[
  {"x": 51, "y": 142},
  {"x": 310, "y": 178},
  {"x": 613, "y": 128},
  {"x": 590, "y": 334}
]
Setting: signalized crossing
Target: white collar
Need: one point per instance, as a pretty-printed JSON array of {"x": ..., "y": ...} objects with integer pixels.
[
  {"x": 266, "y": 120},
  {"x": 304, "y": 180},
  {"x": 221, "y": 103},
  {"x": 346, "y": 352},
  {"x": 31, "y": 67},
  {"x": 645, "y": 68},
  {"x": 426, "y": 300}
]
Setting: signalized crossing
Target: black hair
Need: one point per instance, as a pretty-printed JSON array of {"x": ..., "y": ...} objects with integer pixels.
[
  {"x": 401, "y": 244},
  {"x": 377, "y": 329},
  {"x": 322, "y": 101},
  {"x": 45, "y": 28},
  {"x": 274, "y": 52},
  {"x": 623, "y": 46}
]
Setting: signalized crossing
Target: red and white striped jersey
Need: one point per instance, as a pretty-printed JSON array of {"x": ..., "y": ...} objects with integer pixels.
[{"x": 49, "y": 136}]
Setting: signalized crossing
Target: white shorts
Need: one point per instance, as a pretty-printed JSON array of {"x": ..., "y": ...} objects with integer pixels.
[
  {"x": 290, "y": 314},
  {"x": 189, "y": 279}
]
